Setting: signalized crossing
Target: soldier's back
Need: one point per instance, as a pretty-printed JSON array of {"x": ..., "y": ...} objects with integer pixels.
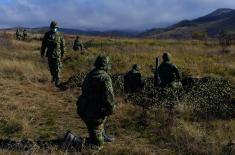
[
  {"x": 93, "y": 90},
  {"x": 133, "y": 81},
  {"x": 166, "y": 72}
]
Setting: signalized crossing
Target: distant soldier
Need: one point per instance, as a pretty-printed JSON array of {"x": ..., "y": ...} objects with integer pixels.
[
  {"x": 77, "y": 44},
  {"x": 133, "y": 81},
  {"x": 54, "y": 45},
  {"x": 168, "y": 73},
  {"x": 96, "y": 103},
  {"x": 18, "y": 34},
  {"x": 25, "y": 34}
]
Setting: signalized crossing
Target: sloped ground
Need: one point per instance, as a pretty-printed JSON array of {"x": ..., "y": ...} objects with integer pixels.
[{"x": 35, "y": 116}]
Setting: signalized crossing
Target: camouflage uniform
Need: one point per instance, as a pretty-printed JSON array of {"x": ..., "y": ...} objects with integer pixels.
[
  {"x": 133, "y": 81},
  {"x": 77, "y": 45},
  {"x": 54, "y": 42},
  {"x": 24, "y": 35},
  {"x": 97, "y": 100},
  {"x": 17, "y": 34},
  {"x": 168, "y": 73}
]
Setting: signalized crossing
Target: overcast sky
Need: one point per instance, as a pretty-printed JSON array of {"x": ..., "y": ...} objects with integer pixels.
[{"x": 105, "y": 14}]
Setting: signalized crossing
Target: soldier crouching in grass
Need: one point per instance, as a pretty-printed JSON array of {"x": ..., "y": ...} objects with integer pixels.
[
  {"x": 95, "y": 104},
  {"x": 54, "y": 42},
  {"x": 168, "y": 73},
  {"x": 133, "y": 81},
  {"x": 169, "y": 80}
]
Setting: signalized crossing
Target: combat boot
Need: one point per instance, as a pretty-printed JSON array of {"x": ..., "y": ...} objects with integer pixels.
[
  {"x": 71, "y": 140},
  {"x": 57, "y": 82},
  {"x": 108, "y": 138}
]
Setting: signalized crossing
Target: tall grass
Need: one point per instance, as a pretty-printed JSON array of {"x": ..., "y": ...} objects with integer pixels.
[{"x": 31, "y": 108}]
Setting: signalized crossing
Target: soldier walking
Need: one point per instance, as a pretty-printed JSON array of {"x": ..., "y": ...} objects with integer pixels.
[
  {"x": 25, "y": 34},
  {"x": 53, "y": 45},
  {"x": 18, "y": 34}
]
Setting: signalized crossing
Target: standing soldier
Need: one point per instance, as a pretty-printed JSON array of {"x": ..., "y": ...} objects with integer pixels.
[
  {"x": 133, "y": 81},
  {"x": 95, "y": 104},
  {"x": 25, "y": 34},
  {"x": 54, "y": 42},
  {"x": 168, "y": 73},
  {"x": 18, "y": 34},
  {"x": 77, "y": 44}
]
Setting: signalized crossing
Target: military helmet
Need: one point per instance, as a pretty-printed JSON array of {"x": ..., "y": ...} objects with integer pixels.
[
  {"x": 103, "y": 62},
  {"x": 136, "y": 67},
  {"x": 54, "y": 24},
  {"x": 166, "y": 56}
]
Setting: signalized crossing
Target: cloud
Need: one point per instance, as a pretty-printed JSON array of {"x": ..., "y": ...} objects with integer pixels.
[{"x": 105, "y": 14}]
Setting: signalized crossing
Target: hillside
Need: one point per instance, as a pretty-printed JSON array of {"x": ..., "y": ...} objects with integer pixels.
[
  {"x": 211, "y": 24},
  {"x": 112, "y": 33},
  {"x": 36, "y": 114}
]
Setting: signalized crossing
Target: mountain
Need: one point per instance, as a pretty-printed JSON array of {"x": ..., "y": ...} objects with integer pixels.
[
  {"x": 211, "y": 24},
  {"x": 113, "y": 33}
]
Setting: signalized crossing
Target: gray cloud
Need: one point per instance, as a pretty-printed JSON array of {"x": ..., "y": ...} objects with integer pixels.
[{"x": 104, "y": 14}]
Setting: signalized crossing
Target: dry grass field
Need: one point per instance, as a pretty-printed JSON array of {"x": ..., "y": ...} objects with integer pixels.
[{"x": 32, "y": 109}]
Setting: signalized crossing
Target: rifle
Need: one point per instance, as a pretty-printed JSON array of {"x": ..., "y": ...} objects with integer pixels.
[{"x": 156, "y": 76}]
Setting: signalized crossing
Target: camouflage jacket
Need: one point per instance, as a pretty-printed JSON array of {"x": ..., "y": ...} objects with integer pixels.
[
  {"x": 168, "y": 73},
  {"x": 54, "y": 43},
  {"x": 97, "y": 99},
  {"x": 133, "y": 81},
  {"x": 77, "y": 44}
]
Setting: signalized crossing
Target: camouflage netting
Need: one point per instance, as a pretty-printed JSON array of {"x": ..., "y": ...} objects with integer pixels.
[
  {"x": 74, "y": 81},
  {"x": 118, "y": 84},
  {"x": 153, "y": 96},
  {"x": 211, "y": 97},
  {"x": 207, "y": 97}
]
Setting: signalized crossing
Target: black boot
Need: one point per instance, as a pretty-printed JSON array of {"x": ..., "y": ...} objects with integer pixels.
[
  {"x": 108, "y": 138},
  {"x": 71, "y": 140},
  {"x": 57, "y": 82}
]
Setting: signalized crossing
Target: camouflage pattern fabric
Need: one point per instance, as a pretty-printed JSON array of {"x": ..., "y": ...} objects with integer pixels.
[
  {"x": 25, "y": 35},
  {"x": 77, "y": 45},
  {"x": 54, "y": 66},
  {"x": 96, "y": 103},
  {"x": 17, "y": 34},
  {"x": 168, "y": 74},
  {"x": 133, "y": 81},
  {"x": 96, "y": 131},
  {"x": 54, "y": 45}
]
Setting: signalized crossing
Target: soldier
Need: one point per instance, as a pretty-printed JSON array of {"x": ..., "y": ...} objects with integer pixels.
[
  {"x": 133, "y": 81},
  {"x": 25, "y": 34},
  {"x": 18, "y": 34},
  {"x": 54, "y": 42},
  {"x": 77, "y": 44},
  {"x": 168, "y": 73},
  {"x": 96, "y": 103}
]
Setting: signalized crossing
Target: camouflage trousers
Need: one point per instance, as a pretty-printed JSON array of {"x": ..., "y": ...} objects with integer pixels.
[
  {"x": 54, "y": 66},
  {"x": 96, "y": 131},
  {"x": 78, "y": 47}
]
